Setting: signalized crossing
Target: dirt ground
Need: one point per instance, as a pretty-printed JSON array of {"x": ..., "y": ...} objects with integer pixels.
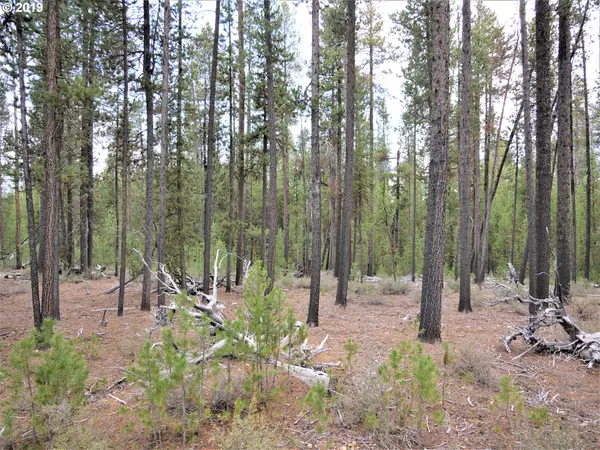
[{"x": 569, "y": 390}]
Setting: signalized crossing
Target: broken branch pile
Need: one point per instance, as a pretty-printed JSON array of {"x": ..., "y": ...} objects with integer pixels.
[
  {"x": 290, "y": 355},
  {"x": 550, "y": 312}
]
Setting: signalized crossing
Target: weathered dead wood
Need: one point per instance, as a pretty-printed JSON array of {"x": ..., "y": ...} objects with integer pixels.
[
  {"x": 115, "y": 288},
  {"x": 550, "y": 312},
  {"x": 213, "y": 309}
]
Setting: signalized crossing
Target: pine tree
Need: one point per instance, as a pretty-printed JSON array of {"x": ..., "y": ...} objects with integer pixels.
[
  {"x": 464, "y": 304},
  {"x": 50, "y": 298},
  {"x": 543, "y": 53},
  {"x": 563, "y": 209},
  {"x": 315, "y": 266},
  {"x": 149, "y": 219},
  {"x": 433, "y": 267},
  {"x": 345, "y": 238},
  {"x": 208, "y": 183}
]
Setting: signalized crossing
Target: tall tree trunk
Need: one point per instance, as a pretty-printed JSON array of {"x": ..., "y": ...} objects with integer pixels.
[
  {"x": 272, "y": 250},
  {"x": 2, "y": 248},
  {"x": 286, "y": 197},
  {"x": 164, "y": 155},
  {"x": 90, "y": 146},
  {"x": 514, "y": 211},
  {"x": 563, "y": 184},
  {"x": 588, "y": 170},
  {"x": 543, "y": 55},
  {"x": 264, "y": 191},
  {"x": 87, "y": 142},
  {"x": 18, "y": 259},
  {"x": 371, "y": 244},
  {"x": 124, "y": 163},
  {"x": 433, "y": 260},
  {"x": 208, "y": 184},
  {"x": 231, "y": 151},
  {"x": 315, "y": 267},
  {"x": 413, "y": 247},
  {"x": 69, "y": 244},
  {"x": 116, "y": 177},
  {"x": 529, "y": 253},
  {"x": 179, "y": 146},
  {"x": 338, "y": 184},
  {"x": 476, "y": 182},
  {"x": 573, "y": 198},
  {"x": 464, "y": 304},
  {"x": 50, "y": 293},
  {"x": 241, "y": 143},
  {"x": 306, "y": 240},
  {"x": 35, "y": 294},
  {"x": 344, "y": 254},
  {"x": 148, "y": 224},
  {"x": 16, "y": 177}
]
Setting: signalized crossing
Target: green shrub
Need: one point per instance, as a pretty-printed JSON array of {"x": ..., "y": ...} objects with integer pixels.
[
  {"x": 509, "y": 397},
  {"x": 391, "y": 403},
  {"x": 46, "y": 388},
  {"x": 538, "y": 415},
  {"x": 62, "y": 375},
  {"x": 316, "y": 401}
]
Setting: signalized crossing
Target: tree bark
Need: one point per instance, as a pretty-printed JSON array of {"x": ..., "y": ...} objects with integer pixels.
[
  {"x": 529, "y": 259},
  {"x": 371, "y": 243},
  {"x": 413, "y": 251},
  {"x": 33, "y": 268},
  {"x": 124, "y": 163},
  {"x": 338, "y": 184},
  {"x": 286, "y": 197},
  {"x": 241, "y": 143},
  {"x": 164, "y": 155},
  {"x": 208, "y": 182},
  {"x": 179, "y": 147},
  {"x": 272, "y": 253},
  {"x": 264, "y": 191},
  {"x": 231, "y": 152},
  {"x": 573, "y": 197},
  {"x": 16, "y": 178},
  {"x": 588, "y": 169},
  {"x": 345, "y": 236},
  {"x": 563, "y": 184},
  {"x": 149, "y": 219},
  {"x": 433, "y": 260},
  {"x": 87, "y": 147},
  {"x": 50, "y": 292},
  {"x": 514, "y": 211},
  {"x": 464, "y": 304},
  {"x": 315, "y": 266},
  {"x": 543, "y": 55}
]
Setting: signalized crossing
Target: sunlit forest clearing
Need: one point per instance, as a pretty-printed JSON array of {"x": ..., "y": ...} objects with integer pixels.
[{"x": 299, "y": 224}]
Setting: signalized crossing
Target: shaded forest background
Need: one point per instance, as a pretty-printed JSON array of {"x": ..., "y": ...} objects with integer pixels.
[{"x": 260, "y": 168}]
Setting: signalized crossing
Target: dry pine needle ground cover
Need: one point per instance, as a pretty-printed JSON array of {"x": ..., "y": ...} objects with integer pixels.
[{"x": 377, "y": 322}]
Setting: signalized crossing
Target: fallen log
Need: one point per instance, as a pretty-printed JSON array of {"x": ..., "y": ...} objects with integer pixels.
[
  {"x": 115, "y": 288},
  {"x": 551, "y": 312}
]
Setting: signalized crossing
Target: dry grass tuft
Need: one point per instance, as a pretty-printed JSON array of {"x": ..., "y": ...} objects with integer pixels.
[
  {"x": 362, "y": 401},
  {"x": 250, "y": 433},
  {"x": 390, "y": 287},
  {"x": 476, "y": 364},
  {"x": 224, "y": 398}
]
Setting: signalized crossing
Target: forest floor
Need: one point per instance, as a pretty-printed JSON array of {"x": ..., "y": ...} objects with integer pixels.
[{"x": 565, "y": 386}]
